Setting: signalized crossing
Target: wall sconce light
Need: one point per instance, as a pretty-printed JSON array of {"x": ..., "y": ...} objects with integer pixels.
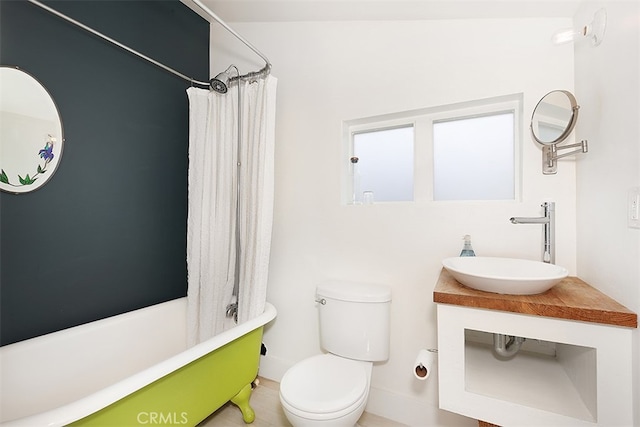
[{"x": 593, "y": 31}]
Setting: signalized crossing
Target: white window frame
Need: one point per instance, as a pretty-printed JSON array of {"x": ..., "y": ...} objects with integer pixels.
[
  {"x": 375, "y": 127},
  {"x": 486, "y": 109},
  {"x": 422, "y": 120}
]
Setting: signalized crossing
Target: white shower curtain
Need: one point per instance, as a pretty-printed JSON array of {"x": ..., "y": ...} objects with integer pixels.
[{"x": 211, "y": 239}]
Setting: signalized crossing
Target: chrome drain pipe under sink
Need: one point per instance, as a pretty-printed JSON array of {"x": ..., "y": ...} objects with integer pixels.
[{"x": 507, "y": 345}]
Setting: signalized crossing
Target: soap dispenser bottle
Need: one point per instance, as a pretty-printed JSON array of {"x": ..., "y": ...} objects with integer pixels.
[{"x": 467, "y": 250}]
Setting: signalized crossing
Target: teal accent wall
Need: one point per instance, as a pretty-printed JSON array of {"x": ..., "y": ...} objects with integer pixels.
[{"x": 107, "y": 234}]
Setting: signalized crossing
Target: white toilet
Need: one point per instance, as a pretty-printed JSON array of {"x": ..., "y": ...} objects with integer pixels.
[{"x": 332, "y": 389}]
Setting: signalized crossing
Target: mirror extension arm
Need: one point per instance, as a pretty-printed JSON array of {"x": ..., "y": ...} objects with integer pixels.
[{"x": 550, "y": 155}]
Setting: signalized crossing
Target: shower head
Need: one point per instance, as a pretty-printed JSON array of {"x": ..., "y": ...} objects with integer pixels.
[{"x": 220, "y": 82}]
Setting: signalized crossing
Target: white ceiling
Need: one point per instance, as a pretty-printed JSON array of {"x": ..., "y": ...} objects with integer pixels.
[{"x": 349, "y": 10}]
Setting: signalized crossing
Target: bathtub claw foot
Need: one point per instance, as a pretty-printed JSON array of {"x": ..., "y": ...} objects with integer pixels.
[{"x": 241, "y": 400}]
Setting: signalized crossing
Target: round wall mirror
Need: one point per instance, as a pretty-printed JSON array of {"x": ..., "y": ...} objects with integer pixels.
[
  {"x": 31, "y": 136},
  {"x": 554, "y": 117}
]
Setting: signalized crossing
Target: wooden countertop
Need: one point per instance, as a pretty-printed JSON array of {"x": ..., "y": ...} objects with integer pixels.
[{"x": 570, "y": 299}]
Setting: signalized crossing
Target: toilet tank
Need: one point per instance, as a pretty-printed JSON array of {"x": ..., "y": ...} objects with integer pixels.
[{"x": 354, "y": 319}]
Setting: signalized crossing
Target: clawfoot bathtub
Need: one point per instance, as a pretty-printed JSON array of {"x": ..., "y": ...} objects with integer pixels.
[{"x": 129, "y": 370}]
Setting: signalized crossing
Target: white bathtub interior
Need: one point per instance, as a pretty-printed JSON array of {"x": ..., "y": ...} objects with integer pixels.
[{"x": 55, "y": 369}]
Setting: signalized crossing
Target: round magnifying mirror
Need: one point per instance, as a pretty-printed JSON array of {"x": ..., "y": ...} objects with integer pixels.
[
  {"x": 31, "y": 133},
  {"x": 554, "y": 117}
]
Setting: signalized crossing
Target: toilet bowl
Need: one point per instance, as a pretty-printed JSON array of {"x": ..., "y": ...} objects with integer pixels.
[
  {"x": 331, "y": 390},
  {"x": 325, "y": 390}
]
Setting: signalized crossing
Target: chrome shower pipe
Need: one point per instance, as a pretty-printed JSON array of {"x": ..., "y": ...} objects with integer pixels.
[{"x": 232, "y": 309}]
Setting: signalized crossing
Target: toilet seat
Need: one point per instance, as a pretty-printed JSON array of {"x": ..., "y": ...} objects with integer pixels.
[{"x": 325, "y": 386}]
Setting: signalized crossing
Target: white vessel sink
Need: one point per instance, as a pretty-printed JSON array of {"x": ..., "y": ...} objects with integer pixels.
[{"x": 505, "y": 275}]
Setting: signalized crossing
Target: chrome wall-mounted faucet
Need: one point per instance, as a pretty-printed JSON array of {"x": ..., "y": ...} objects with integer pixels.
[{"x": 549, "y": 231}]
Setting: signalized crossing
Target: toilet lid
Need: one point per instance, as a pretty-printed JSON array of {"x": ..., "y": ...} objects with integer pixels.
[{"x": 324, "y": 384}]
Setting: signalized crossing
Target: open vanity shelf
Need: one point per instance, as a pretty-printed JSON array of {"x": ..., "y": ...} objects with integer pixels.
[{"x": 574, "y": 368}]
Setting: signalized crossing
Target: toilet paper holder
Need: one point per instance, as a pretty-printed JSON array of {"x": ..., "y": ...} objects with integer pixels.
[{"x": 423, "y": 365}]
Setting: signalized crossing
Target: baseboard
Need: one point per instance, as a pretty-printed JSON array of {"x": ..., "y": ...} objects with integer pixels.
[
  {"x": 412, "y": 411},
  {"x": 273, "y": 368}
]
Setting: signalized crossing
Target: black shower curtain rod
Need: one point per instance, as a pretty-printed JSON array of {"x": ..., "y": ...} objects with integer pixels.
[{"x": 265, "y": 70}]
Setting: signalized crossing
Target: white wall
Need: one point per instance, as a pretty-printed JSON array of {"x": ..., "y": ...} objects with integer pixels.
[
  {"x": 334, "y": 71},
  {"x": 608, "y": 88}
]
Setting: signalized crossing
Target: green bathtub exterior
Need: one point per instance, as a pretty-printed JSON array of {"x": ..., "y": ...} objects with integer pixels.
[{"x": 189, "y": 395}]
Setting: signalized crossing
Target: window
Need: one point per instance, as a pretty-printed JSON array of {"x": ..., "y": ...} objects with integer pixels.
[
  {"x": 383, "y": 164},
  {"x": 474, "y": 158},
  {"x": 466, "y": 151}
]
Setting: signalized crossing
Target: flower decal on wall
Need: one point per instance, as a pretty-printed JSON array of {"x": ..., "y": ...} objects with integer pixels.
[{"x": 46, "y": 154}]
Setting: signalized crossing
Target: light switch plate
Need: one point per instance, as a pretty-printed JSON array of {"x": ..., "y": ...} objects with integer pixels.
[{"x": 633, "y": 208}]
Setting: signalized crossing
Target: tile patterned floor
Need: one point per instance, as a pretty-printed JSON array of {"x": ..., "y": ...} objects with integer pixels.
[{"x": 266, "y": 403}]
